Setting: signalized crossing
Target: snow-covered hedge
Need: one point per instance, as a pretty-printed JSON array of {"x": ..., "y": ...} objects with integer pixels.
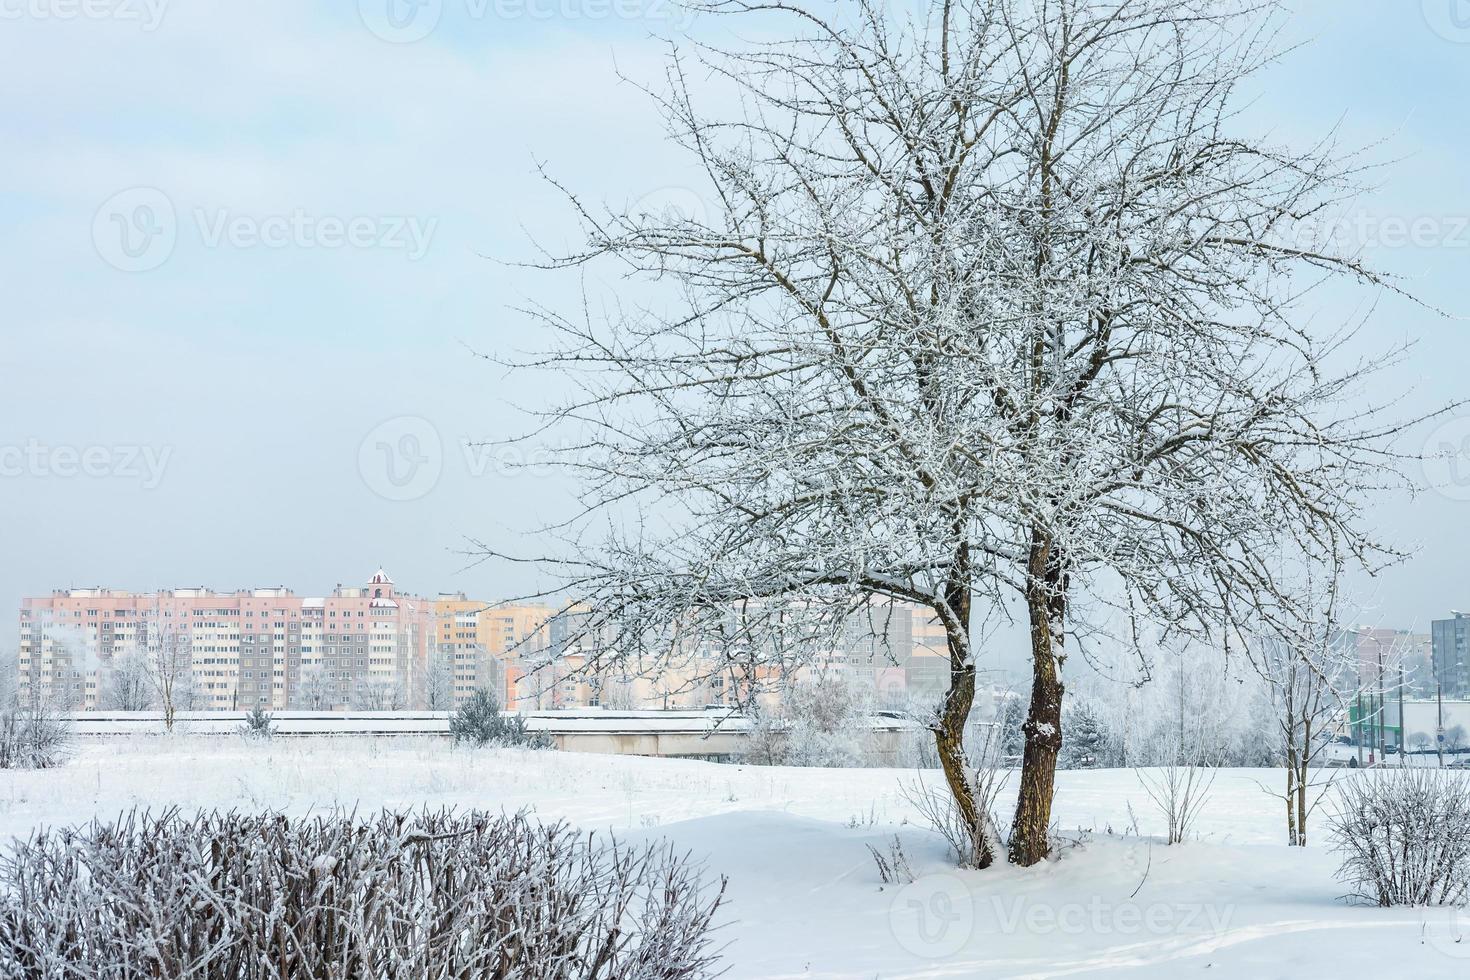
[
  {"x": 433, "y": 894},
  {"x": 1405, "y": 836}
]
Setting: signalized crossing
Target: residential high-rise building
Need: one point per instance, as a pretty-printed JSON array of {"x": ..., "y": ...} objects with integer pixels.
[
  {"x": 363, "y": 646},
  {"x": 1451, "y": 654}
]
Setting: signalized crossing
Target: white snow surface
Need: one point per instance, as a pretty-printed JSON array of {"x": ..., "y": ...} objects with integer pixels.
[{"x": 804, "y": 899}]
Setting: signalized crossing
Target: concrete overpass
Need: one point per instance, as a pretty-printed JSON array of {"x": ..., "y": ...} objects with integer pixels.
[{"x": 713, "y": 733}]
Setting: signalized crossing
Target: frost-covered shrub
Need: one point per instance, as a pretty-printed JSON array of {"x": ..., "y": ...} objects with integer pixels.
[
  {"x": 396, "y": 897},
  {"x": 1405, "y": 837},
  {"x": 257, "y": 724},
  {"x": 479, "y": 722},
  {"x": 33, "y": 737},
  {"x": 823, "y": 722},
  {"x": 970, "y": 839}
]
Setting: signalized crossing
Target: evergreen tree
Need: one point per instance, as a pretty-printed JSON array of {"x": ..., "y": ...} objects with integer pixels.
[
  {"x": 1084, "y": 738},
  {"x": 479, "y": 721}
]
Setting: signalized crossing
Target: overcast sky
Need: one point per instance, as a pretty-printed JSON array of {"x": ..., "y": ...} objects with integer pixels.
[{"x": 243, "y": 262}]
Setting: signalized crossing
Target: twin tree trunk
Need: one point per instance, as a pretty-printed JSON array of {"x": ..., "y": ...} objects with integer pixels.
[
  {"x": 1298, "y": 771},
  {"x": 1030, "y": 830}
]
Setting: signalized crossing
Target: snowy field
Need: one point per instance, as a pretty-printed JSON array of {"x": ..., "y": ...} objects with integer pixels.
[{"x": 804, "y": 898}]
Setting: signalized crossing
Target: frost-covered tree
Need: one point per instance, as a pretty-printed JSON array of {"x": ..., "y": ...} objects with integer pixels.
[
  {"x": 995, "y": 306},
  {"x": 167, "y": 655},
  {"x": 819, "y": 721},
  {"x": 9, "y": 679},
  {"x": 1085, "y": 738},
  {"x": 313, "y": 690},
  {"x": 1312, "y": 676},
  {"x": 1454, "y": 739},
  {"x": 378, "y": 694},
  {"x": 127, "y": 684},
  {"x": 439, "y": 682},
  {"x": 479, "y": 721},
  {"x": 1011, "y": 717}
]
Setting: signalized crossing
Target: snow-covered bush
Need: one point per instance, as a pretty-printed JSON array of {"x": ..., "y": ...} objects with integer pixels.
[
  {"x": 1405, "y": 836},
  {"x": 479, "y": 721},
  {"x": 396, "y": 897},
  {"x": 33, "y": 737}
]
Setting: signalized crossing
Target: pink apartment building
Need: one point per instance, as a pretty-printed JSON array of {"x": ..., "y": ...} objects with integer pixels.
[{"x": 364, "y": 647}]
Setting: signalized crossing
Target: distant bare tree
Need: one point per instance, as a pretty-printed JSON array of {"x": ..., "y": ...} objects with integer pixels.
[
  {"x": 1313, "y": 677},
  {"x": 127, "y": 684},
  {"x": 1000, "y": 305},
  {"x": 9, "y": 679},
  {"x": 167, "y": 656},
  {"x": 379, "y": 694},
  {"x": 439, "y": 684},
  {"x": 1454, "y": 739},
  {"x": 313, "y": 690}
]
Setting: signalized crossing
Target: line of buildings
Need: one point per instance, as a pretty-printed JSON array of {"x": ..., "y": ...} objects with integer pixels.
[
  {"x": 1433, "y": 664},
  {"x": 373, "y": 647}
]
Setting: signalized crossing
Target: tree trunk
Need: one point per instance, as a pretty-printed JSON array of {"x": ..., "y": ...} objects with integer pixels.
[
  {"x": 949, "y": 738},
  {"x": 949, "y": 734},
  {"x": 1303, "y": 771},
  {"x": 1046, "y": 607},
  {"x": 1291, "y": 774}
]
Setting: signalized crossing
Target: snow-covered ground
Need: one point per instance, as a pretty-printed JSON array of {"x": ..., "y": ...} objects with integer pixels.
[{"x": 804, "y": 895}]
